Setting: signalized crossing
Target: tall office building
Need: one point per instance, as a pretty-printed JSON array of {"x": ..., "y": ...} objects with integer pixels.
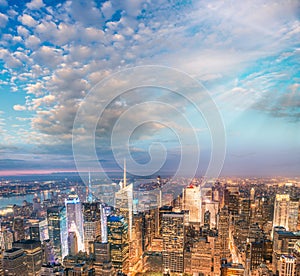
[
  {"x": 14, "y": 262},
  {"x": 6, "y": 239},
  {"x": 19, "y": 229},
  {"x": 34, "y": 255},
  {"x": 213, "y": 208},
  {"x": 173, "y": 241},
  {"x": 49, "y": 255},
  {"x": 75, "y": 218},
  {"x": 91, "y": 223},
  {"x": 296, "y": 254},
  {"x": 58, "y": 231},
  {"x": 103, "y": 219},
  {"x": 102, "y": 264},
  {"x": 192, "y": 203},
  {"x": 283, "y": 244},
  {"x": 39, "y": 230},
  {"x": 293, "y": 213},
  {"x": 287, "y": 266},
  {"x": 286, "y": 212},
  {"x": 223, "y": 233},
  {"x": 117, "y": 236},
  {"x": 72, "y": 243},
  {"x": 256, "y": 250},
  {"x": 201, "y": 257},
  {"x": 124, "y": 203}
]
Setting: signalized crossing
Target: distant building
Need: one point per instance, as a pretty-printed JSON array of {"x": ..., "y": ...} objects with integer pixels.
[
  {"x": 102, "y": 264},
  {"x": 14, "y": 262},
  {"x": 117, "y": 236},
  {"x": 286, "y": 212},
  {"x": 173, "y": 241},
  {"x": 192, "y": 202},
  {"x": 91, "y": 223},
  {"x": 58, "y": 232},
  {"x": 296, "y": 253},
  {"x": 39, "y": 230},
  {"x": 283, "y": 244},
  {"x": 287, "y": 266},
  {"x": 72, "y": 243},
  {"x": 223, "y": 233},
  {"x": 49, "y": 255},
  {"x": 55, "y": 269},
  {"x": 75, "y": 219},
  {"x": 34, "y": 255},
  {"x": 19, "y": 229},
  {"x": 229, "y": 269},
  {"x": 81, "y": 269}
]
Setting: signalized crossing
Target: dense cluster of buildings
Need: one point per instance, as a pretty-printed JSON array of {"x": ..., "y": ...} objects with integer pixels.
[{"x": 190, "y": 227}]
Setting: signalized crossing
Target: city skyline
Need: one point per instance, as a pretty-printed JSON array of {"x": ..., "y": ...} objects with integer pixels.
[{"x": 246, "y": 55}]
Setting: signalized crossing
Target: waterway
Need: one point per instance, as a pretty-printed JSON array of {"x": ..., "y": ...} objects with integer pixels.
[{"x": 18, "y": 200}]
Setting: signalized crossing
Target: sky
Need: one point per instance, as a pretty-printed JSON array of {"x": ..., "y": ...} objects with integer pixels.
[{"x": 244, "y": 53}]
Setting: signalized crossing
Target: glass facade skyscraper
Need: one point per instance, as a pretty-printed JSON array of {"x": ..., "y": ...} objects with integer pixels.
[
  {"x": 117, "y": 235},
  {"x": 58, "y": 233},
  {"x": 75, "y": 219}
]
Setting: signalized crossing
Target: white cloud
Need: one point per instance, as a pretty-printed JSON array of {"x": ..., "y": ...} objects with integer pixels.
[
  {"x": 35, "y": 88},
  {"x": 23, "y": 32},
  {"x": 11, "y": 61},
  {"x": 32, "y": 42},
  {"x": 48, "y": 56},
  {"x": 18, "y": 107},
  {"x": 45, "y": 101},
  {"x": 3, "y": 20},
  {"x": 107, "y": 9},
  {"x": 35, "y": 4},
  {"x": 27, "y": 20}
]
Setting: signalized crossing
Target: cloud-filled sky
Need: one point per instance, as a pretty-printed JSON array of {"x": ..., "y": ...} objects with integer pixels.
[{"x": 245, "y": 53}]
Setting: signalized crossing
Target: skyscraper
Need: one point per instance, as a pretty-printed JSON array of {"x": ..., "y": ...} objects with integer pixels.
[
  {"x": 91, "y": 223},
  {"x": 58, "y": 233},
  {"x": 34, "y": 255},
  {"x": 286, "y": 212},
  {"x": 173, "y": 241},
  {"x": 287, "y": 265},
  {"x": 117, "y": 236},
  {"x": 192, "y": 203},
  {"x": 223, "y": 234},
  {"x": 283, "y": 244},
  {"x": 124, "y": 203},
  {"x": 14, "y": 262},
  {"x": 75, "y": 218},
  {"x": 19, "y": 230},
  {"x": 102, "y": 263}
]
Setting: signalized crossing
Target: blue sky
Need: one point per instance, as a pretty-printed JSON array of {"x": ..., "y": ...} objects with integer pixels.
[{"x": 246, "y": 54}]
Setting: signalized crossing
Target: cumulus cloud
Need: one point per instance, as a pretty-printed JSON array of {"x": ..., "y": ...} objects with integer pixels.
[
  {"x": 32, "y": 42},
  {"x": 36, "y": 88},
  {"x": 23, "y": 32},
  {"x": 27, "y": 20},
  {"x": 35, "y": 4},
  {"x": 48, "y": 56},
  {"x": 18, "y": 107},
  {"x": 3, "y": 20}
]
